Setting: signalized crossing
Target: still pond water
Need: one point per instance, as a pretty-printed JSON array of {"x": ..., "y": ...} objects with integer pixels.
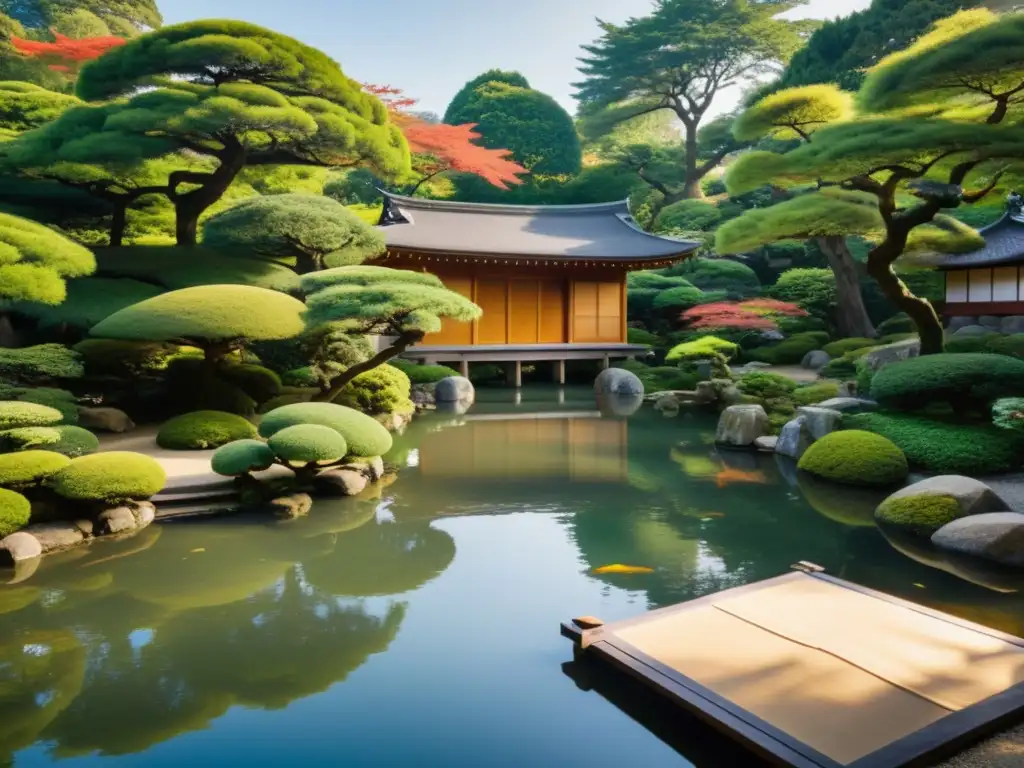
[{"x": 420, "y": 627}]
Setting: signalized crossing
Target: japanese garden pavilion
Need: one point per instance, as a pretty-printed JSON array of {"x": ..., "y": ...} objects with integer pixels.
[{"x": 551, "y": 280}]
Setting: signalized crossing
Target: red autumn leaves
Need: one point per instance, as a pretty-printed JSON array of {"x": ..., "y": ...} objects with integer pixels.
[
  {"x": 753, "y": 315},
  {"x": 441, "y": 147},
  {"x": 65, "y": 53}
]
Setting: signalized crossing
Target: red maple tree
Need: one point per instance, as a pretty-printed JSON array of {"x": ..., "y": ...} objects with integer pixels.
[
  {"x": 65, "y": 54},
  {"x": 751, "y": 315},
  {"x": 438, "y": 148}
]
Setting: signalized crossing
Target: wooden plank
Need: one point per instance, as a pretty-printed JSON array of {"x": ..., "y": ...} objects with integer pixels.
[
  {"x": 493, "y": 300},
  {"x": 524, "y": 311}
]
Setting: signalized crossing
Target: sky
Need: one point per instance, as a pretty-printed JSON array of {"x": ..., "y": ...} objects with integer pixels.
[{"x": 430, "y": 48}]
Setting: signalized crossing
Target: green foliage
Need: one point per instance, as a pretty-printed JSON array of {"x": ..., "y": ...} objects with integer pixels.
[
  {"x": 241, "y": 457},
  {"x": 202, "y": 430},
  {"x": 365, "y": 437},
  {"x": 1008, "y": 413},
  {"x": 705, "y": 347},
  {"x": 795, "y": 113},
  {"x": 333, "y": 350},
  {"x": 283, "y": 355},
  {"x": 365, "y": 276},
  {"x": 89, "y": 300},
  {"x": 900, "y": 323},
  {"x": 638, "y": 336},
  {"x": 920, "y": 515},
  {"x": 970, "y": 344},
  {"x": 24, "y": 106},
  {"x": 766, "y": 385},
  {"x": 39, "y": 364},
  {"x": 15, "y": 512},
  {"x": 792, "y": 350},
  {"x": 678, "y": 300},
  {"x": 15, "y": 414},
  {"x": 111, "y": 476},
  {"x": 812, "y": 394},
  {"x": 688, "y": 216},
  {"x": 313, "y": 230},
  {"x": 71, "y": 441},
  {"x": 845, "y": 367},
  {"x": 207, "y": 313},
  {"x": 719, "y": 275},
  {"x": 660, "y": 378},
  {"x": 964, "y": 381},
  {"x": 1012, "y": 345},
  {"x": 129, "y": 359},
  {"x": 855, "y": 457},
  {"x": 59, "y": 399},
  {"x": 308, "y": 443},
  {"x": 648, "y": 280},
  {"x": 28, "y": 468},
  {"x": 384, "y": 389},
  {"x": 842, "y": 346},
  {"x": 35, "y": 261},
  {"x": 259, "y": 383},
  {"x": 423, "y": 374},
  {"x": 945, "y": 447},
  {"x": 174, "y": 267},
  {"x": 865, "y": 375},
  {"x": 468, "y": 92},
  {"x": 813, "y": 290}
]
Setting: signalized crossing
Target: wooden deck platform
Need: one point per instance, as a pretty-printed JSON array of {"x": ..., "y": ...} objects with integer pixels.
[{"x": 812, "y": 671}]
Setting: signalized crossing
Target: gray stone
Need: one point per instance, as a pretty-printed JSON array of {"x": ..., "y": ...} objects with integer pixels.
[
  {"x": 766, "y": 443},
  {"x": 56, "y": 536},
  {"x": 145, "y": 513},
  {"x": 422, "y": 397},
  {"x": 794, "y": 439},
  {"x": 86, "y": 527},
  {"x": 773, "y": 336},
  {"x": 615, "y": 406},
  {"x": 991, "y": 321},
  {"x": 956, "y": 323},
  {"x": 974, "y": 497},
  {"x": 707, "y": 393},
  {"x": 756, "y": 365},
  {"x": 741, "y": 425},
  {"x": 339, "y": 482},
  {"x": 819, "y": 421},
  {"x": 667, "y": 405},
  {"x": 816, "y": 360},
  {"x": 455, "y": 389},
  {"x": 291, "y": 507},
  {"x": 892, "y": 353},
  {"x": 705, "y": 369},
  {"x": 19, "y": 547},
  {"x": 730, "y": 396},
  {"x": 995, "y": 536},
  {"x": 116, "y": 520},
  {"x": 375, "y": 469},
  {"x": 972, "y": 330},
  {"x": 105, "y": 419},
  {"x": 617, "y": 381},
  {"x": 788, "y": 469},
  {"x": 848, "y": 404},
  {"x": 1012, "y": 324}
]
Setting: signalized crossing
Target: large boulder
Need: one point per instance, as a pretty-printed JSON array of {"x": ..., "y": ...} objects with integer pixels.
[
  {"x": 1012, "y": 324},
  {"x": 816, "y": 360},
  {"x": 454, "y": 389},
  {"x": 18, "y": 547},
  {"x": 973, "y": 330},
  {"x": 53, "y": 537},
  {"x": 848, "y": 404},
  {"x": 892, "y": 353},
  {"x": 667, "y": 404},
  {"x": 794, "y": 439},
  {"x": 741, "y": 425},
  {"x": 956, "y": 323},
  {"x": 926, "y": 506},
  {"x": 995, "y": 536},
  {"x": 992, "y": 322},
  {"x": 339, "y": 482},
  {"x": 617, "y": 381},
  {"x": 105, "y": 419},
  {"x": 819, "y": 421}
]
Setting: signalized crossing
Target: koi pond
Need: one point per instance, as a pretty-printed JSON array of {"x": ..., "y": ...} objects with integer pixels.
[{"x": 420, "y": 626}]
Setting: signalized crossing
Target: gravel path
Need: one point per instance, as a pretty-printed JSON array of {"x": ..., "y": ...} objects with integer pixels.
[{"x": 1003, "y": 751}]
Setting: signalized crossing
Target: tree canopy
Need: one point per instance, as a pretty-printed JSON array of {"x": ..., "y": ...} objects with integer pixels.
[
  {"x": 124, "y": 18},
  {"x": 35, "y": 261},
  {"x": 466, "y": 93},
  {"x": 313, "y": 230},
  {"x": 24, "y": 106}
]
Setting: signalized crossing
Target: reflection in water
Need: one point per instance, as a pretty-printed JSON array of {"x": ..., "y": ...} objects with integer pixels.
[{"x": 119, "y": 648}]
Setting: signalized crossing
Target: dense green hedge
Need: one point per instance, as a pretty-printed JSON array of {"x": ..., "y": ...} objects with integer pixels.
[
  {"x": 365, "y": 437},
  {"x": 41, "y": 364},
  {"x": 660, "y": 378},
  {"x": 841, "y": 347},
  {"x": 308, "y": 443},
  {"x": 718, "y": 275},
  {"x": 111, "y": 477},
  {"x": 384, "y": 389},
  {"x": 69, "y": 440},
  {"x": 424, "y": 374},
  {"x": 791, "y": 351},
  {"x": 242, "y": 456},
  {"x": 765, "y": 384},
  {"x": 15, "y": 512},
  {"x": 640, "y": 336},
  {"x": 945, "y": 447},
  {"x": 963, "y": 381},
  {"x": 815, "y": 393},
  {"x": 28, "y": 468},
  {"x": 202, "y": 430},
  {"x": 855, "y": 457}
]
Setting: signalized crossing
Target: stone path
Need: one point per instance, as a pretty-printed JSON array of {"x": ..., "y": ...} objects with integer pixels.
[{"x": 1003, "y": 751}]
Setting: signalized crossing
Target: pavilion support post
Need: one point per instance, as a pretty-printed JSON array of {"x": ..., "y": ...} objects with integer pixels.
[
  {"x": 518, "y": 373},
  {"x": 606, "y": 362},
  {"x": 464, "y": 368},
  {"x": 559, "y": 372}
]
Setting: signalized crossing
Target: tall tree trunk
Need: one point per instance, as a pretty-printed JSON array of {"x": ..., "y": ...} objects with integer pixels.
[
  {"x": 880, "y": 262},
  {"x": 851, "y": 314},
  {"x": 307, "y": 262},
  {"x": 118, "y": 222},
  {"x": 401, "y": 344},
  {"x": 693, "y": 190},
  {"x": 188, "y": 207}
]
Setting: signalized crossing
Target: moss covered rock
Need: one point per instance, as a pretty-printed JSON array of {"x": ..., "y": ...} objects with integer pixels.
[
  {"x": 365, "y": 437},
  {"x": 242, "y": 456},
  {"x": 308, "y": 443},
  {"x": 856, "y": 458},
  {"x": 113, "y": 476},
  {"x": 202, "y": 430},
  {"x": 920, "y": 515},
  {"x": 15, "y": 512},
  {"x": 385, "y": 389},
  {"x": 15, "y": 414},
  {"x": 28, "y": 468},
  {"x": 69, "y": 440}
]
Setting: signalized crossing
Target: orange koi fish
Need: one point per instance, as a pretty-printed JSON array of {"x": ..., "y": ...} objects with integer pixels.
[
  {"x": 729, "y": 476},
  {"x": 629, "y": 569}
]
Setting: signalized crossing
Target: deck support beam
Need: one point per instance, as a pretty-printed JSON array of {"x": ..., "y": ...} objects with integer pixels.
[
  {"x": 559, "y": 372},
  {"x": 606, "y": 362},
  {"x": 464, "y": 368},
  {"x": 517, "y": 368}
]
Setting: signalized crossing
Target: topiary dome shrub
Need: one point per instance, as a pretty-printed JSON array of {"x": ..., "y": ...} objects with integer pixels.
[
  {"x": 308, "y": 444},
  {"x": 202, "y": 430},
  {"x": 964, "y": 381},
  {"x": 920, "y": 515},
  {"x": 688, "y": 216},
  {"x": 69, "y": 440},
  {"x": 15, "y": 414},
  {"x": 59, "y": 399},
  {"x": 385, "y": 389},
  {"x": 704, "y": 348},
  {"x": 854, "y": 457},
  {"x": 365, "y": 437},
  {"x": 719, "y": 275},
  {"x": 241, "y": 457},
  {"x": 39, "y": 365},
  {"x": 111, "y": 477},
  {"x": 28, "y": 468},
  {"x": 15, "y": 512}
]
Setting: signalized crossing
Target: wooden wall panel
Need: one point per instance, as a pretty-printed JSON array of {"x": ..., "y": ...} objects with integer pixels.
[
  {"x": 597, "y": 312},
  {"x": 553, "y": 312},
  {"x": 525, "y": 309},
  {"x": 1004, "y": 284},
  {"x": 454, "y": 333},
  {"x": 492, "y": 297},
  {"x": 979, "y": 285},
  {"x": 956, "y": 286}
]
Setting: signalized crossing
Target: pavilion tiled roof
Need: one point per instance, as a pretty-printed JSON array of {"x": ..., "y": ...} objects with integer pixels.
[{"x": 1004, "y": 243}]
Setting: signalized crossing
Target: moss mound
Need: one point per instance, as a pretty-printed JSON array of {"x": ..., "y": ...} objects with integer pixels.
[
  {"x": 65, "y": 439},
  {"x": 764, "y": 384},
  {"x": 306, "y": 443},
  {"x": 113, "y": 476},
  {"x": 17, "y": 414},
  {"x": 921, "y": 515},
  {"x": 365, "y": 437},
  {"x": 385, "y": 389},
  {"x": 26, "y": 468},
  {"x": 961, "y": 380},
  {"x": 856, "y": 458},
  {"x": 423, "y": 374},
  {"x": 15, "y": 511},
  {"x": 946, "y": 447},
  {"x": 841, "y": 347},
  {"x": 202, "y": 430},
  {"x": 242, "y": 456},
  {"x": 815, "y": 393}
]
